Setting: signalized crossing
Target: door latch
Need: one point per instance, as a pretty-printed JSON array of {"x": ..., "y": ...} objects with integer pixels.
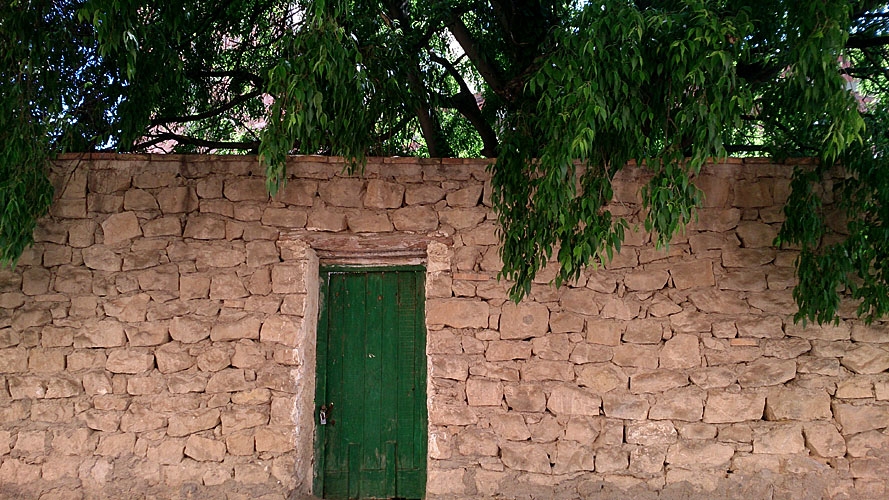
[{"x": 323, "y": 413}]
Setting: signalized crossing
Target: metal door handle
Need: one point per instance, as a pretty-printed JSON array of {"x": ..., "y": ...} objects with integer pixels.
[{"x": 324, "y": 412}]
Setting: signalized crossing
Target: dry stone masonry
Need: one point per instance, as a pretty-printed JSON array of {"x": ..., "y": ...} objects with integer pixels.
[{"x": 158, "y": 340}]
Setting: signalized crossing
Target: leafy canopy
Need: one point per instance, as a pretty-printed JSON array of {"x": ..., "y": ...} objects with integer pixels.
[{"x": 562, "y": 93}]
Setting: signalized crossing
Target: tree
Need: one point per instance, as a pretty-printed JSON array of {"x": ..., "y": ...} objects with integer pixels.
[{"x": 562, "y": 93}]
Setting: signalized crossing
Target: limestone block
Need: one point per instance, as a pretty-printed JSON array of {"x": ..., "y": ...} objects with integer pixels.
[
  {"x": 715, "y": 219},
  {"x": 289, "y": 278},
  {"x": 96, "y": 383},
  {"x": 326, "y": 219},
  {"x": 604, "y": 332},
  {"x": 854, "y": 419},
  {"x": 56, "y": 255},
  {"x": 782, "y": 439},
  {"x": 745, "y": 280},
  {"x": 657, "y": 381},
  {"x": 526, "y": 397},
  {"x": 554, "y": 347},
  {"x": 423, "y": 194},
  {"x": 768, "y": 327},
  {"x": 204, "y": 227},
  {"x": 121, "y": 227},
  {"x": 261, "y": 253},
  {"x": 369, "y": 222},
  {"x": 85, "y": 359},
  {"x": 164, "y": 278},
  {"x": 486, "y": 234},
  {"x": 572, "y": 456},
  {"x": 244, "y": 417},
  {"x": 510, "y": 426},
  {"x": 81, "y": 233},
  {"x": 454, "y": 414},
  {"x": 129, "y": 309},
  {"x": 228, "y": 380},
  {"x": 240, "y": 443},
  {"x": 280, "y": 329},
  {"x": 162, "y": 226},
  {"x": 446, "y": 482},
  {"x": 765, "y": 372},
  {"x": 725, "y": 407},
  {"x": 640, "y": 356},
  {"x": 29, "y": 316},
  {"x": 565, "y": 322},
  {"x": 189, "y": 330},
  {"x": 683, "y": 404},
  {"x": 646, "y": 280},
  {"x": 383, "y": 194},
  {"x": 823, "y": 439},
  {"x": 869, "y": 443},
  {"x": 457, "y": 313},
  {"x": 483, "y": 392},
  {"x": 622, "y": 405},
  {"x": 46, "y": 361},
  {"x": 572, "y": 400},
  {"x": 417, "y": 218},
  {"x": 719, "y": 302},
  {"x": 785, "y": 403},
  {"x": 15, "y": 471},
  {"x": 342, "y": 192},
  {"x": 507, "y": 350},
  {"x": 870, "y": 468},
  {"x": 644, "y": 331},
  {"x": 139, "y": 200},
  {"x": 756, "y": 234},
  {"x": 252, "y": 397},
  {"x": 601, "y": 377},
  {"x": 238, "y": 326},
  {"x": 875, "y": 333},
  {"x": 104, "y": 333},
  {"x": 184, "y": 423},
  {"x": 866, "y": 359},
  {"x": 147, "y": 334},
  {"x": 610, "y": 460},
  {"x": 855, "y": 388},
  {"x": 298, "y": 192},
  {"x": 622, "y": 309},
  {"x": 819, "y": 332},
  {"x": 466, "y": 197},
  {"x": 278, "y": 439},
  {"x": 140, "y": 418},
  {"x": 71, "y": 441},
  {"x": 116, "y": 445},
  {"x": 214, "y": 359},
  {"x": 13, "y": 360},
  {"x": 579, "y": 300},
  {"x": 245, "y": 189},
  {"x": 699, "y": 455},
  {"x": 177, "y": 200},
  {"x": 194, "y": 286},
  {"x": 463, "y": 218},
  {"x": 647, "y": 461},
  {"x": 583, "y": 353},
  {"x": 167, "y": 452},
  {"x": 747, "y": 257},
  {"x": 447, "y": 366},
  {"x": 681, "y": 351},
  {"x": 285, "y": 217},
  {"x": 651, "y": 433},
  {"x": 172, "y": 358},
  {"x": 204, "y": 449},
  {"x": 785, "y": 348},
  {"x": 473, "y": 442},
  {"x": 539, "y": 370},
  {"x": 525, "y": 457},
  {"x": 140, "y": 385}
]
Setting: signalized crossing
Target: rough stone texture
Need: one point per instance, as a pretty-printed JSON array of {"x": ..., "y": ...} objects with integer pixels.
[{"x": 159, "y": 338}]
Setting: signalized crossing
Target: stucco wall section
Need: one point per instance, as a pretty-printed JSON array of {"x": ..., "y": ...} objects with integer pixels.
[{"x": 159, "y": 337}]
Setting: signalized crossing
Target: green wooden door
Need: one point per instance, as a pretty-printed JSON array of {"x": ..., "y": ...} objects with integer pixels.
[{"x": 371, "y": 374}]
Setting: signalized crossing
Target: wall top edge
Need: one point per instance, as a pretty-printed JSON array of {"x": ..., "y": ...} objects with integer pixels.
[{"x": 198, "y": 158}]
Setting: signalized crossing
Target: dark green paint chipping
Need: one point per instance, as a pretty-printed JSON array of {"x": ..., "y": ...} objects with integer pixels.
[{"x": 372, "y": 366}]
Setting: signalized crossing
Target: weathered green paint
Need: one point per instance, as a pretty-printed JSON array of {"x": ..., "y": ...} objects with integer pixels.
[{"x": 372, "y": 367}]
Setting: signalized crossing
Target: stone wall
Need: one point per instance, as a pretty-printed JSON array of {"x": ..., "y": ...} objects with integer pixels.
[{"x": 159, "y": 338}]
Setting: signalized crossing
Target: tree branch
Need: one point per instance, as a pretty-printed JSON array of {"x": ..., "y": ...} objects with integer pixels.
[
  {"x": 466, "y": 104},
  {"x": 863, "y": 41},
  {"x": 183, "y": 139},
  {"x": 258, "y": 81},
  {"x": 490, "y": 73},
  {"x": 210, "y": 112}
]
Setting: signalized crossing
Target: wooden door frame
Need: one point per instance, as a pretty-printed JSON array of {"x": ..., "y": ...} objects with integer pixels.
[{"x": 321, "y": 372}]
